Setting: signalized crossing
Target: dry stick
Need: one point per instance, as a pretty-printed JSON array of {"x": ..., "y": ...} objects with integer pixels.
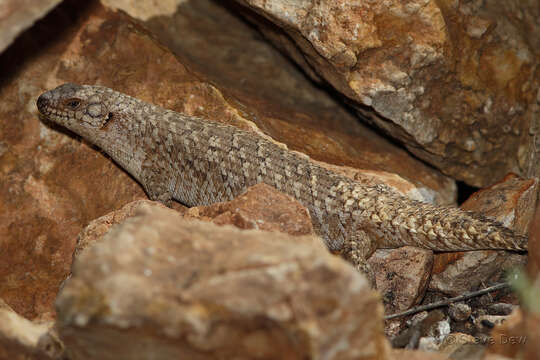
[{"x": 448, "y": 301}]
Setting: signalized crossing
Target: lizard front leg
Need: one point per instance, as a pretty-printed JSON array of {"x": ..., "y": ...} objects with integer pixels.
[{"x": 155, "y": 182}]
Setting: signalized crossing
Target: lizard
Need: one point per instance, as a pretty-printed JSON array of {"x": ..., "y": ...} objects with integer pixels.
[{"x": 199, "y": 162}]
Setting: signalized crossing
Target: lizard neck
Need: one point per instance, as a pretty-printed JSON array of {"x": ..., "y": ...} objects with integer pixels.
[{"x": 125, "y": 136}]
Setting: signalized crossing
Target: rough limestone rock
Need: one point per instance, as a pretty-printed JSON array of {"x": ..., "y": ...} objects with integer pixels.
[
  {"x": 162, "y": 287},
  {"x": 456, "y": 81}
]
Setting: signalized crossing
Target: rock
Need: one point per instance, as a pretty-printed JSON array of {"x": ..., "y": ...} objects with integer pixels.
[
  {"x": 470, "y": 270},
  {"x": 160, "y": 286},
  {"x": 428, "y": 71},
  {"x": 485, "y": 323},
  {"x": 426, "y": 331},
  {"x": 493, "y": 357},
  {"x": 398, "y": 354},
  {"x": 436, "y": 330},
  {"x": 471, "y": 352},
  {"x": 97, "y": 228},
  {"x": 533, "y": 263},
  {"x": 501, "y": 308},
  {"x": 392, "y": 330},
  {"x": 530, "y": 342},
  {"x": 454, "y": 341},
  {"x": 24, "y": 339},
  {"x": 51, "y": 185},
  {"x": 459, "y": 311},
  {"x": 428, "y": 343},
  {"x": 402, "y": 276},
  {"x": 509, "y": 202},
  {"x": 261, "y": 207},
  {"x": 16, "y": 16},
  {"x": 508, "y": 338},
  {"x": 409, "y": 337},
  {"x": 143, "y": 9},
  {"x": 531, "y": 348}
]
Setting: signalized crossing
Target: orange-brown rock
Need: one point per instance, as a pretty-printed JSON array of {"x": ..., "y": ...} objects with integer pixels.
[
  {"x": 510, "y": 201},
  {"x": 261, "y": 207},
  {"x": 157, "y": 285},
  {"x": 402, "y": 276},
  {"x": 456, "y": 81}
]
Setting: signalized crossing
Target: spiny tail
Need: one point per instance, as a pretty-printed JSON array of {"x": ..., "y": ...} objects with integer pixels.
[{"x": 445, "y": 229}]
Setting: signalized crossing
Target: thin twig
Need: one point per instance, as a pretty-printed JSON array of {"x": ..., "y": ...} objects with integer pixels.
[{"x": 448, "y": 301}]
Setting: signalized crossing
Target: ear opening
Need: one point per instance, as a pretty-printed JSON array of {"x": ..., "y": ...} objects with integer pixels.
[{"x": 106, "y": 120}]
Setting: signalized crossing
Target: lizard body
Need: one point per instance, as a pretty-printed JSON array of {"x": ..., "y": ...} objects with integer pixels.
[{"x": 199, "y": 162}]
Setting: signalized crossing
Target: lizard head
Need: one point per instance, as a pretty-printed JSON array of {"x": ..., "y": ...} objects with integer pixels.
[
  {"x": 99, "y": 115},
  {"x": 79, "y": 108}
]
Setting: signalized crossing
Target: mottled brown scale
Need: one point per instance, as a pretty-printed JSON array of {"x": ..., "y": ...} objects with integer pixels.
[{"x": 199, "y": 162}]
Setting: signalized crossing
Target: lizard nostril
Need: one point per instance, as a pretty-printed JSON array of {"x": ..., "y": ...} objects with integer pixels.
[{"x": 42, "y": 103}]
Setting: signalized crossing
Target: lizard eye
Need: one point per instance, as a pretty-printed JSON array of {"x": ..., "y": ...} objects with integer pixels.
[{"x": 73, "y": 104}]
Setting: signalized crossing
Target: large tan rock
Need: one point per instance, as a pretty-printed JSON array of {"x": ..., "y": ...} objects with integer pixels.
[
  {"x": 163, "y": 287},
  {"x": 456, "y": 81}
]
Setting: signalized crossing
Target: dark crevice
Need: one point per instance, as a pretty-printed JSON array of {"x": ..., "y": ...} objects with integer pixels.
[{"x": 464, "y": 191}]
